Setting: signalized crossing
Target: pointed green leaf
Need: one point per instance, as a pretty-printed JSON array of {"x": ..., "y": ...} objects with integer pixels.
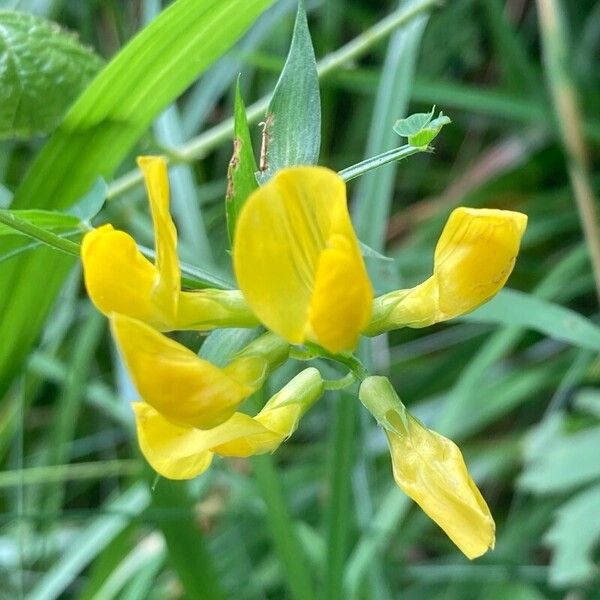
[
  {"x": 292, "y": 126},
  {"x": 511, "y": 307},
  {"x": 43, "y": 219},
  {"x": 42, "y": 70},
  {"x": 241, "y": 178}
]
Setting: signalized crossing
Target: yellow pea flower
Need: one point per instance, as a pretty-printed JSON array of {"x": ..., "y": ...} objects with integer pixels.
[
  {"x": 474, "y": 257},
  {"x": 298, "y": 262},
  {"x": 184, "y": 388},
  {"x": 431, "y": 470},
  {"x": 180, "y": 452},
  {"x": 119, "y": 279}
]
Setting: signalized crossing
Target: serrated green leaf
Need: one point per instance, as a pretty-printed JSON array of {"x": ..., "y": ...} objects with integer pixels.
[
  {"x": 292, "y": 126},
  {"x": 241, "y": 178},
  {"x": 42, "y": 70},
  {"x": 96, "y": 135},
  {"x": 550, "y": 454},
  {"x": 574, "y": 536},
  {"x": 45, "y": 219}
]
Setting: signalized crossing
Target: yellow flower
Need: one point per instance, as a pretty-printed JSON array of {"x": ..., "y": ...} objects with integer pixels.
[
  {"x": 431, "y": 470},
  {"x": 184, "y": 388},
  {"x": 474, "y": 257},
  {"x": 119, "y": 279},
  {"x": 298, "y": 262},
  {"x": 180, "y": 452}
]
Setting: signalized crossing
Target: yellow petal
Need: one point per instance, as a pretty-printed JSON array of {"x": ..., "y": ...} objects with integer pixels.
[
  {"x": 172, "y": 450},
  {"x": 278, "y": 419},
  {"x": 474, "y": 257},
  {"x": 117, "y": 277},
  {"x": 181, "y": 452},
  {"x": 184, "y": 388},
  {"x": 340, "y": 297},
  {"x": 431, "y": 470},
  {"x": 166, "y": 292},
  {"x": 294, "y": 248}
]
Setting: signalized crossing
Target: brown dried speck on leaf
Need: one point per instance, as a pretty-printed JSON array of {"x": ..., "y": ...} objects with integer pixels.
[
  {"x": 233, "y": 165},
  {"x": 266, "y": 136}
]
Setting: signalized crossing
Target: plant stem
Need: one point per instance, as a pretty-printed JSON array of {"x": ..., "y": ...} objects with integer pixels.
[
  {"x": 70, "y": 472},
  {"x": 564, "y": 94},
  {"x": 200, "y": 145},
  {"x": 339, "y": 514},
  {"x": 281, "y": 523},
  {"x": 37, "y": 233},
  {"x": 374, "y": 162}
]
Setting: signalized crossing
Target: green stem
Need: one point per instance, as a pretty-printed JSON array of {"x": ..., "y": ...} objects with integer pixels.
[
  {"x": 554, "y": 42},
  {"x": 384, "y": 158},
  {"x": 37, "y": 233},
  {"x": 70, "y": 472},
  {"x": 339, "y": 515},
  {"x": 202, "y": 144},
  {"x": 281, "y": 525},
  {"x": 340, "y": 384}
]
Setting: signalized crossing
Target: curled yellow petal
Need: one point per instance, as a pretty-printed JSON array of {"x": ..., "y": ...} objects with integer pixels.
[
  {"x": 431, "y": 470},
  {"x": 119, "y": 279},
  {"x": 474, "y": 257},
  {"x": 167, "y": 287},
  {"x": 182, "y": 452},
  {"x": 297, "y": 259},
  {"x": 172, "y": 379},
  {"x": 172, "y": 450}
]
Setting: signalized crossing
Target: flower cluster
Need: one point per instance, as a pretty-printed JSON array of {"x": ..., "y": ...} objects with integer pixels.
[{"x": 301, "y": 275}]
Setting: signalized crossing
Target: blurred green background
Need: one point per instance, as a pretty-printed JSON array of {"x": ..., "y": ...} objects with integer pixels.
[{"x": 83, "y": 517}]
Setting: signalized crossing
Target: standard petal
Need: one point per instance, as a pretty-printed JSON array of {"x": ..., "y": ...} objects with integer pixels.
[
  {"x": 281, "y": 236},
  {"x": 184, "y": 388},
  {"x": 166, "y": 292},
  {"x": 118, "y": 277},
  {"x": 474, "y": 257},
  {"x": 173, "y": 451}
]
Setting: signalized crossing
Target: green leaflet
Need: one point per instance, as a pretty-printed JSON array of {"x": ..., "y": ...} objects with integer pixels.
[
  {"x": 241, "y": 178},
  {"x": 42, "y": 70},
  {"x": 421, "y": 128},
  {"x": 511, "y": 307},
  {"x": 292, "y": 126},
  {"x": 44, "y": 219},
  {"x": 96, "y": 135}
]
